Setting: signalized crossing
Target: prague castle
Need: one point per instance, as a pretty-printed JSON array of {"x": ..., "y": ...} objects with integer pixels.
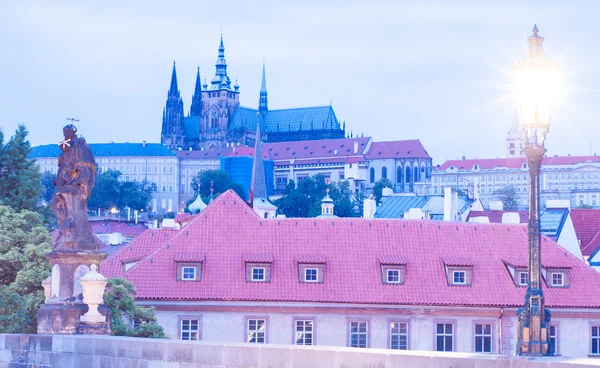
[{"x": 216, "y": 118}]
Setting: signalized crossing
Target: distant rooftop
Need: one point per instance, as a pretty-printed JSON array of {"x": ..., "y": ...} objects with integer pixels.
[
  {"x": 107, "y": 149},
  {"x": 515, "y": 163}
]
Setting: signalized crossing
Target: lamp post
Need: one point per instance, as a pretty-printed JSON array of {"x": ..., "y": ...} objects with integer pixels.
[{"x": 536, "y": 90}]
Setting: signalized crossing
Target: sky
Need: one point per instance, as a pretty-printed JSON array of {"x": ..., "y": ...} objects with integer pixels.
[{"x": 438, "y": 71}]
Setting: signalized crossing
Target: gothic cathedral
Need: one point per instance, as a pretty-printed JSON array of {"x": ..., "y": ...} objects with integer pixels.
[{"x": 216, "y": 119}]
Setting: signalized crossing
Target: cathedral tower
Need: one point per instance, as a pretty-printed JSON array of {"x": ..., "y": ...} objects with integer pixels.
[
  {"x": 172, "y": 133},
  {"x": 263, "y": 104},
  {"x": 221, "y": 102},
  {"x": 196, "y": 107},
  {"x": 514, "y": 139}
]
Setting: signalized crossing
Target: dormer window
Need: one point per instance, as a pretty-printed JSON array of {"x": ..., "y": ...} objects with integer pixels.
[
  {"x": 258, "y": 267},
  {"x": 311, "y": 268},
  {"x": 188, "y": 273},
  {"x": 258, "y": 273},
  {"x": 459, "y": 277},
  {"x": 459, "y": 271},
  {"x": 476, "y": 167},
  {"x": 522, "y": 278},
  {"x": 189, "y": 266},
  {"x": 558, "y": 278},
  {"x": 393, "y": 269}
]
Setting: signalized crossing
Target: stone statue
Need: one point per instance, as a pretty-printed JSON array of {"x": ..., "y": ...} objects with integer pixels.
[{"x": 74, "y": 184}]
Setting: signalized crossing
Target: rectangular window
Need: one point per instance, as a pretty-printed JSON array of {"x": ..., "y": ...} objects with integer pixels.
[
  {"x": 399, "y": 335},
  {"x": 258, "y": 274},
  {"x": 393, "y": 276},
  {"x": 188, "y": 273},
  {"x": 304, "y": 332},
  {"x": 444, "y": 334},
  {"x": 557, "y": 279},
  {"x": 483, "y": 337},
  {"x": 190, "y": 329},
  {"x": 523, "y": 278},
  {"x": 459, "y": 277},
  {"x": 257, "y": 331},
  {"x": 358, "y": 334},
  {"x": 311, "y": 275}
]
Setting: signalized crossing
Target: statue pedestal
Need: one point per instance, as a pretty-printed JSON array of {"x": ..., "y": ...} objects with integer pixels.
[{"x": 63, "y": 309}]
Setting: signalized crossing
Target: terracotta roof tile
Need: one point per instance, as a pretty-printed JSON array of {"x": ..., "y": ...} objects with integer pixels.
[
  {"x": 457, "y": 261},
  {"x": 227, "y": 230},
  {"x": 311, "y": 258},
  {"x": 392, "y": 259},
  {"x": 397, "y": 149},
  {"x": 587, "y": 228},
  {"x": 188, "y": 256}
]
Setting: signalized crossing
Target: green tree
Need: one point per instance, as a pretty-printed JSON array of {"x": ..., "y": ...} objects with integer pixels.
[
  {"x": 111, "y": 192},
  {"x": 508, "y": 196},
  {"x": 13, "y": 315},
  {"x": 219, "y": 181},
  {"x": 127, "y": 318},
  {"x": 24, "y": 242},
  {"x": 20, "y": 183},
  {"x": 341, "y": 193},
  {"x": 48, "y": 188},
  {"x": 378, "y": 188}
]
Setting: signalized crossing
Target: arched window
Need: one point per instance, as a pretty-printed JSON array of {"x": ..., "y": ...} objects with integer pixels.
[
  {"x": 416, "y": 178},
  {"x": 399, "y": 174},
  {"x": 407, "y": 176},
  {"x": 372, "y": 175},
  {"x": 384, "y": 172}
]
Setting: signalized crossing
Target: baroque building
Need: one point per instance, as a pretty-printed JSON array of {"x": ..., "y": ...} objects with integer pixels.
[{"x": 216, "y": 119}]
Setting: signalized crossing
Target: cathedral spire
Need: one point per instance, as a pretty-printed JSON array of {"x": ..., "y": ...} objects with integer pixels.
[
  {"x": 258, "y": 186},
  {"x": 263, "y": 104},
  {"x": 173, "y": 89},
  {"x": 221, "y": 80},
  {"x": 196, "y": 107}
]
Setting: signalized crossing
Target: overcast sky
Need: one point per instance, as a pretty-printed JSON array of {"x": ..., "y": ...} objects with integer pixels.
[{"x": 433, "y": 70}]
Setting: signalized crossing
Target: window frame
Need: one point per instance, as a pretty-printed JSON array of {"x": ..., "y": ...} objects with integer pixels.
[
  {"x": 562, "y": 279},
  {"x": 316, "y": 274},
  {"x": 183, "y": 276},
  {"x": 263, "y": 274},
  {"x": 435, "y": 333},
  {"x": 247, "y": 320},
  {"x": 250, "y": 266},
  {"x": 389, "y": 332},
  {"x": 197, "y": 273},
  {"x": 556, "y": 326},
  {"x": 385, "y": 268},
  {"x": 520, "y": 279},
  {"x": 303, "y": 266},
  {"x": 313, "y": 333},
  {"x": 349, "y": 333},
  {"x": 464, "y": 277},
  {"x": 492, "y": 336},
  {"x": 181, "y": 318}
]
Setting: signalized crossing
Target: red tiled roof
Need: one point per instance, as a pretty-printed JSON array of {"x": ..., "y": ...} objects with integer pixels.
[
  {"x": 392, "y": 259},
  {"x": 397, "y": 149},
  {"x": 495, "y": 216},
  {"x": 323, "y": 148},
  {"x": 204, "y": 154},
  {"x": 311, "y": 258},
  {"x": 514, "y": 163},
  {"x": 258, "y": 257},
  {"x": 457, "y": 261},
  {"x": 587, "y": 228},
  {"x": 183, "y": 256},
  {"x": 143, "y": 245},
  {"x": 228, "y": 229}
]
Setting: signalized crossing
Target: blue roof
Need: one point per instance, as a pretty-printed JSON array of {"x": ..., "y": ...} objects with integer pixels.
[
  {"x": 107, "y": 149},
  {"x": 552, "y": 221},
  {"x": 191, "y": 127},
  {"x": 396, "y": 206},
  {"x": 287, "y": 120}
]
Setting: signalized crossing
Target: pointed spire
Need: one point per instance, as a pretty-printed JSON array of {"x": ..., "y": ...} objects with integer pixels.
[
  {"x": 221, "y": 80},
  {"x": 258, "y": 186},
  {"x": 174, "y": 89},
  {"x": 196, "y": 107},
  {"x": 263, "y": 104}
]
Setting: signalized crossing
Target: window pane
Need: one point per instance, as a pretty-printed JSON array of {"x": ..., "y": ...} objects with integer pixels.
[
  {"x": 478, "y": 345},
  {"x": 448, "y": 346},
  {"x": 487, "y": 344},
  {"x": 440, "y": 343},
  {"x": 440, "y": 328}
]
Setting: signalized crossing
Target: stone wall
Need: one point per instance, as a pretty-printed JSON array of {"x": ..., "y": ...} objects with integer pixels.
[{"x": 42, "y": 351}]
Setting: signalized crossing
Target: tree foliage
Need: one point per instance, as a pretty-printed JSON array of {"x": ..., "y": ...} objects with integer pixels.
[
  {"x": 13, "y": 314},
  {"x": 378, "y": 188},
  {"x": 304, "y": 200},
  {"x": 19, "y": 177},
  {"x": 508, "y": 196},
  {"x": 127, "y": 318},
  {"x": 218, "y": 180},
  {"x": 111, "y": 192},
  {"x": 24, "y": 242},
  {"x": 48, "y": 188}
]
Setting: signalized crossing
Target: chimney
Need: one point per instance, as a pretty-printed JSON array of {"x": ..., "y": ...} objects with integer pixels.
[
  {"x": 190, "y": 148},
  {"x": 355, "y": 147},
  {"x": 450, "y": 204},
  {"x": 143, "y": 143},
  {"x": 369, "y": 208}
]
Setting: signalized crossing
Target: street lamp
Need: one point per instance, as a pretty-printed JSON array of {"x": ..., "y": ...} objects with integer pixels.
[{"x": 536, "y": 87}]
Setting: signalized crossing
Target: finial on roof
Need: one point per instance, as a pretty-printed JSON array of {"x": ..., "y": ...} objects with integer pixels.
[{"x": 535, "y": 29}]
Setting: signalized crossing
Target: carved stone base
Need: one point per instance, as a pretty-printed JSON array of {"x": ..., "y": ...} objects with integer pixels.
[{"x": 64, "y": 319}]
